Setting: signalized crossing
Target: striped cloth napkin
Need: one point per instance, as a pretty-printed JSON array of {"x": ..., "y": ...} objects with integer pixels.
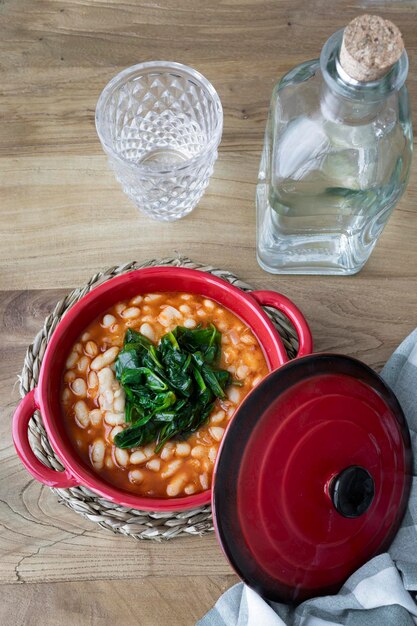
[{"x": 379, "y": 593}]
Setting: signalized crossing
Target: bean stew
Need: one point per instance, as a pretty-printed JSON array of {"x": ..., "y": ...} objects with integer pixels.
[{"x": 95, "y": 405}]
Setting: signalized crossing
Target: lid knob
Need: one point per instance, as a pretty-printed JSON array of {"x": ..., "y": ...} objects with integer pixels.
[{"x": 352, "y": 491}]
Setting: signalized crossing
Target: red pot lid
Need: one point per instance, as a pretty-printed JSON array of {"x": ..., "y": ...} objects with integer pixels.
[{"x": 312, "y": 478}]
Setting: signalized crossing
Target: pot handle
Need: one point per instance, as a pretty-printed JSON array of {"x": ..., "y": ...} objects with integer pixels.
[
  {"x": 46, "y": 475},
  {"x": 286, "y": 306}
]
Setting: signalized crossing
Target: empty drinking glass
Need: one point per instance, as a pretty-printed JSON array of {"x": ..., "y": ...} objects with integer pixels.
[{"x": 160, "y": 124}]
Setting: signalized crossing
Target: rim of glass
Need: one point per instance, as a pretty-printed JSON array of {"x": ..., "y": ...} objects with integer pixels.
[{"x": 168, "y": 66}]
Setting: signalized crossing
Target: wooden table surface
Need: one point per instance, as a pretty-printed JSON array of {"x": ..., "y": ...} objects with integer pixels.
[{"x": 63, "y": 217}]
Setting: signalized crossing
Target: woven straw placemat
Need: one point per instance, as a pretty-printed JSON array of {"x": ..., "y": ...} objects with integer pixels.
[{"x": 130, "y": 522}]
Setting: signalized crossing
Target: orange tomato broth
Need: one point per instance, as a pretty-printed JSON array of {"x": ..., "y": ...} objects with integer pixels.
[{"x": 181, "y": 467}]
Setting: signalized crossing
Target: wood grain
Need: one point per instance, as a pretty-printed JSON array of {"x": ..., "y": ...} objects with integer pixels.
[
  {"x": 63, "y": 217},
  {"x": 148, "y": 602}
]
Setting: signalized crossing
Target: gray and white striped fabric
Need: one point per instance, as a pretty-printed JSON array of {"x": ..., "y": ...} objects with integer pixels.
[{"x": 382, "y": 592}]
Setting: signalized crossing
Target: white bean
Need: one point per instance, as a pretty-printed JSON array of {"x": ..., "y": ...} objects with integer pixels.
[
  {"x": 69, "y": 376},
  {"x": 169, "y": 315},
  {"x": 175, "y": 486},
  {"x": 136, "y": 476},
  {"x": 92, "y": 380},
  {"x": 186, "y": 296},
  {"x": 171, "y": 468},
  {"x": 78, "y": 348},
  {"x": 120, "y": 307},
  {"x": 115, "y": 431},
  {"x": 114, "y": 419},
  {"x": 234, "y": 394},
  {"x": 95, "y": 417},
  {"x": 189, "y": 489},
  {"x": 136, "y": 300},
  {"x": 131, "y": 313},
  {"x": 122, "y": 456},
  {"x": 91, "y": 348},
  {"x": 154, "y": 465},
  {"x": 242, "y": 371},
  {"x": 109, "y": 397},
  {"x": 198, "y": 452},
  {"x": 209, "y": 304},
  {"x": 218, "y": 417},
  {"x": 249, "y": 340},
  {"x": 119, "y": 403},
  {"x": 182, "y": 448},
  {"x": 85, "y": 337},
  {"x": 149, "y": 451},
  {"x": 151, "y": 297},
  {"x": 202, "y": 313},
  {"x": 102, "y": 360},
  {"x": 108, "y": 320},
  {"x": 204, "y": 480},
  {"x": 206, "y": 465},
  {"x": 104, "y": 404},
  {"x": 109, "y": 463},
  {"x": 221, "y": 326},
  {"x": 205, "y": 439},
  {"x": 184, "y": 308},
  {"x": 147, "y": 330},
  {"x": 212, "y": 454},
  {"x": 71, "y": 360},
  {"x": 79, "y": 387},
  {"x": 190, "y": 323},
  {"x": 195, "y": 464},
  {"x": 97, "y": 453},
  {"x": 137, "y": 457},
  {"x": 234, "y": 337},
  {"x": 83, "y": 364},
  {"x": 106, "y": 378},
  {"x": 216, "y": 432},
  {"x": 256, "y": 381},
  {"x": 66, "y": 396},
  {"x": 82, "y": 413},
  {"x": 167, "y": 451}
]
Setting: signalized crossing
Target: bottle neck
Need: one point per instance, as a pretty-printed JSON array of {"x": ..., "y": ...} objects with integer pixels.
[
  {"x": 349, "y": 111},
  {"x": 346, "y": 100}
]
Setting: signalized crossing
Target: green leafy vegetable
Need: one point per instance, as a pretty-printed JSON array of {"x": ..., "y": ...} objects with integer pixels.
[{"x": 170, "y": 389}]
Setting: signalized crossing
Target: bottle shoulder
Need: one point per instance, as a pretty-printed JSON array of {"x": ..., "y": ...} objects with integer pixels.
[
  {"x": 300, "y": 87},
  {"x": 302, "y": 98},
  {"x": 300, "y": 74},
  {"x": 305, "y": 90},
  {"x": 296, "y": 94}
]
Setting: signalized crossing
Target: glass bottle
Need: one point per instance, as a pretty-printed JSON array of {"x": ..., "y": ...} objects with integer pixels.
[{"x": 335, "y": 163}]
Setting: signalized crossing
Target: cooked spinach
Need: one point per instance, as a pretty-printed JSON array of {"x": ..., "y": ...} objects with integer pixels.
[{"x": 170, "y": 388}]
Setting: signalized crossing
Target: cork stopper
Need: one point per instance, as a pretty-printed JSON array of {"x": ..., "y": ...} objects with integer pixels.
[{"x": 370, "y": 47}]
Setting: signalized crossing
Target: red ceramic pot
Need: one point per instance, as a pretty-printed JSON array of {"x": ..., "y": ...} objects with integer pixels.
[
  {"x": 318, "y": 484},
  {"x": 45, "y": 396}
]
